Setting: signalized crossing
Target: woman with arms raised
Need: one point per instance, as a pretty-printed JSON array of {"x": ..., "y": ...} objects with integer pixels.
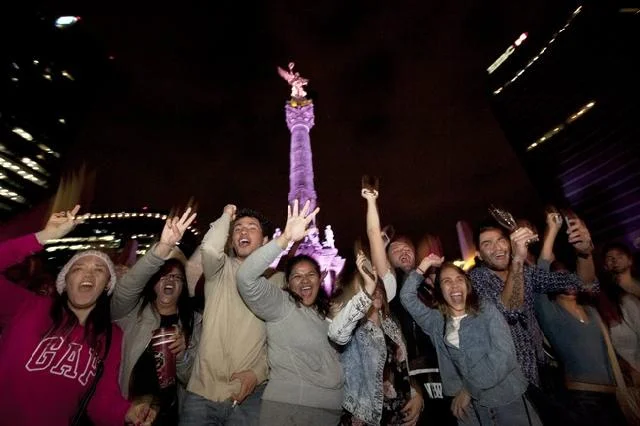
[
  {"x": 475, "y": 349},
  {"x": 53, "y": 352},
  {"x": 378, "y": 389},
  {"x": 152, "y": 297},
  {"x": 306, "y": 380}
]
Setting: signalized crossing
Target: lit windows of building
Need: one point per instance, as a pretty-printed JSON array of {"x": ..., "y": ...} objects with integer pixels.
[
  {"x": 49, "y": 75},
  {"x": 572, "y": 115},
  {"x": 112, "y": 231}
]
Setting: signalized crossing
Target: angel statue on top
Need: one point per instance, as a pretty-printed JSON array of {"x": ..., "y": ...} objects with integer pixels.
[{"x": 296, "y": 82}]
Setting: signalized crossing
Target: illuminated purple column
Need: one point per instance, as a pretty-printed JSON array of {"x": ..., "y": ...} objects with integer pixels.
[{"x": 300, "y": 120}]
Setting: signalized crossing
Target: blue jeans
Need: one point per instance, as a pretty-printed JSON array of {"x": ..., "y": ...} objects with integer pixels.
[
  {"x": 515, "y": 413},
  {"x": 199, "y": 411}
]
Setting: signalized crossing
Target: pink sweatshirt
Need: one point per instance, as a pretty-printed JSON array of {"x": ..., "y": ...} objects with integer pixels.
[{"x": 43, "y": 379}]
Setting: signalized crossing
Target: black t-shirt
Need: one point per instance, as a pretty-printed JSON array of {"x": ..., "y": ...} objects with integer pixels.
[
  {"x": 423, "y": 359},
  {"x": 144, "y": 382}
]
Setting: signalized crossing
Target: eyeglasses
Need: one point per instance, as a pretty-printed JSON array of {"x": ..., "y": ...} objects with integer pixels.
[{"x": 173, "y": 277}]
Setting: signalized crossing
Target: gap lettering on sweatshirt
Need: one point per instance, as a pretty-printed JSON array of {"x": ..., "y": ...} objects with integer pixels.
[{"x": 62, "y": 360}]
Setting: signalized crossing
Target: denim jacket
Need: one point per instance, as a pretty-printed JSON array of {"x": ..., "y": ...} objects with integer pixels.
[
  {"x": 485, "y": 364},
  {"x": 363, "y": 357}
]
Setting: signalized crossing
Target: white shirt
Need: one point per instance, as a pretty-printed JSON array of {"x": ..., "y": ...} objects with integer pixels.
[{"x": 452, "y": 330}]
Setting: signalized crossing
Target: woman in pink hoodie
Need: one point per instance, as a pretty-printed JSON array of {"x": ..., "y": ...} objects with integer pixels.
[{"x": 52, "y": 350}]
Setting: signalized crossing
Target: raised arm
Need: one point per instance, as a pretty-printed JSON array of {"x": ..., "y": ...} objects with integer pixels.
[
  {"x": 193, "y": 270},
  {"x": 512, "y": 296},
  {"x": 376, "y": 243},
  {"x": 429, "y": 320},
  {"x": 127, "y": 292},
  {"x": 554, "y": 223},
  {"x": 342, "y": 326},
  {"x": 263, "y": 298},
  {"x": 214, "y": 242},
  {"x": 13, "y": 296},
  {"x": 16, "y": 250},
  {"x": 266, "y": 300},
  {"x": 580, "y": 239}
]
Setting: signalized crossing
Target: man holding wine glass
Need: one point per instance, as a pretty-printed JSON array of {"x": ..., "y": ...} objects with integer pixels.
[{"x": 504, "y": 278}]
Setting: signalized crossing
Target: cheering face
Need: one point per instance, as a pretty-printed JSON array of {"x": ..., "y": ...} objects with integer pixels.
[
  {"x": 169, "y": 287},
  {"x": 617, "y": 261},
  {"x": 402, "y": 255},
  {"x": 86, "y": 281},
  {"x": 454, "y": 290},
  {"x": 304, "y": 281},
  {"x": 495, "y": 249},
  {"x": 247, "y": 236}
]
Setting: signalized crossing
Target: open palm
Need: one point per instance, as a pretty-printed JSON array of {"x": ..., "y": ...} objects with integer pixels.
[{"x": 297, "y": 221}]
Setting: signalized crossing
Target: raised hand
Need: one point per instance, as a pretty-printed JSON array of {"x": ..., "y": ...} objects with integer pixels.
[
  {"x": 231, "y": 210},
  {"x": 554, "y": 221},
  {"x": 367, "y": 272},
  {"x": 430, "y": 261},
  {"x": 175, "y": 227},
  {"x": 369, "y": 194},
  {"x": 579, "y": 236},
  {"x": 297, "y": 222},
  {"x": 59, "y": 225},
  {"x": 520, "y": 238}
]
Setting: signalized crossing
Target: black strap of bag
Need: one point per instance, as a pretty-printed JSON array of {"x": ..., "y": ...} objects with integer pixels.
[{"x": 80, "y": 418}]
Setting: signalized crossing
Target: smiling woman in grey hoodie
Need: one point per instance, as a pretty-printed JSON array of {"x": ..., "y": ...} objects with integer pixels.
[{"x": 306, "y": 380}]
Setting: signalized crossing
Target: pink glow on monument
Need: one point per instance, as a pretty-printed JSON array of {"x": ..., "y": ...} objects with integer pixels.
[{"x": 300, "y": 120}]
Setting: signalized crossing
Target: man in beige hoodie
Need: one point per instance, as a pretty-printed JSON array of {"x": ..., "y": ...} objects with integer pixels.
[{"x": 231, "y": 365}]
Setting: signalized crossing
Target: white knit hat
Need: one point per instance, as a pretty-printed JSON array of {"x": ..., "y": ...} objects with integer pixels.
[{"x": 61, "y": 281}]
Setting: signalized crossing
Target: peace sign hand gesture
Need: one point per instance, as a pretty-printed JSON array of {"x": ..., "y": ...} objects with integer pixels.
[
  {"x": 174, "y": 229},
  {"x": 297, "y": 222},
  {"x": 59, "y": 225}
]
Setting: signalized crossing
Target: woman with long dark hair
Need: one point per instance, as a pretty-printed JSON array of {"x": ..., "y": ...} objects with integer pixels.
[
  {"x": 476, "y": 353},
  {"x": 152, "y": 300},
  {"x": 306, "y": 380},
  {"x": 60, "y": 356},
  {"x": 378, "y": 389}
]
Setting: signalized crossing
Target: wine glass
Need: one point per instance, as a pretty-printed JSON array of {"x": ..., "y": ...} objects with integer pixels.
[{"x": 506, "y": 219}]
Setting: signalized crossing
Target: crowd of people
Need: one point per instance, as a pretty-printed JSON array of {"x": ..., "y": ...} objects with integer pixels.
[{"x": 527, "y": 336}]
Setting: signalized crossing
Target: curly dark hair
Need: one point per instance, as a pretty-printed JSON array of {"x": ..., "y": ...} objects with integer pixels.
[{"x": 322, "y": 302}]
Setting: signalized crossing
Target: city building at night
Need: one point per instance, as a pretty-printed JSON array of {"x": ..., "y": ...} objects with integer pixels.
[
  {"x": 566, "y": 96},
  {"x": 300, "y": 119},
  {"x": 50, "y": 69}
]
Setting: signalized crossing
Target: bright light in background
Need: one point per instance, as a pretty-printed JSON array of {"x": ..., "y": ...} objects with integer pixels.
[
  {"x": 556, "y": 130},
  {"x": 68, "y": 76},
  {"x": 499, "y": 61},
  {"x": 520, "y": 39},
  {"x": 65, "y": 21},
  {"x": 22, "y": 133},
  {"x": 507, "y": 53}
]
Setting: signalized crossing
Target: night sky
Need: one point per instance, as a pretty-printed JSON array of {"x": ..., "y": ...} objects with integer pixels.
[{"x": 399, "y": 92}]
